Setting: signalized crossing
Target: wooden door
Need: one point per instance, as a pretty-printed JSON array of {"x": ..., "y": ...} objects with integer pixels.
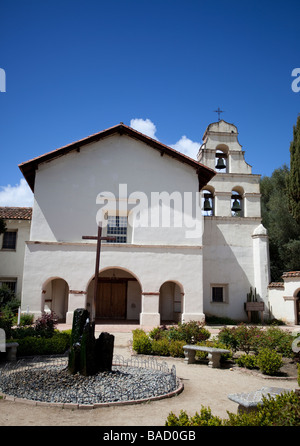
[{"x": 111, "y": 301}]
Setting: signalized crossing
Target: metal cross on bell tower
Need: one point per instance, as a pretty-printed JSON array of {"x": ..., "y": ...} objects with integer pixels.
[{"x": 219, "y": 112}]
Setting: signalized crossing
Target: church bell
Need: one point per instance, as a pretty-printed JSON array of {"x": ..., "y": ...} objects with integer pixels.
[
  {"x": 236, "y": 206},
  {"x": 220, "y": 164},
  {"x": 207, "y": 205}
]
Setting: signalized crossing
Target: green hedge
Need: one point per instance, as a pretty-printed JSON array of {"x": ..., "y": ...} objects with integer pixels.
[
  {"x": 282, "y": 410},
  {"x": 253, "y": 338},
  {"x": 59, "y": 343},
  {"x": 163, "y": 341}
]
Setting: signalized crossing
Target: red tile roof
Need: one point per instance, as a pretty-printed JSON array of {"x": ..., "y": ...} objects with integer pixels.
[
  {"x": 15, "y": 213},
  {"x": 29, "y": 168},
  {"x": 276, "y": 285},
  {"x": 291, "y": 274}
]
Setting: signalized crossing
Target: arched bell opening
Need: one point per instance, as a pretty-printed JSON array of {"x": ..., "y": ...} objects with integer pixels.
[
  {"x": 237, "y": 202},
  {"x": 55, "y": 297},
  {"x": 221, "y": 158},
  {"x": 118, "y": 298},
  {"x": 170, "y": 302},
  {"x": 208, "y": 202}
]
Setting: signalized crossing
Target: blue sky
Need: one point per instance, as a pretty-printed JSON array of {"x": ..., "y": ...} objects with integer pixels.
[{"x": 74, "y": 68}]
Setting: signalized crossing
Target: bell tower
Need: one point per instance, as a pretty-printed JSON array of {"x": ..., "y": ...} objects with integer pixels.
[
  {"x": 235, "y": 256},
  {"x": 235, "y": 190}
]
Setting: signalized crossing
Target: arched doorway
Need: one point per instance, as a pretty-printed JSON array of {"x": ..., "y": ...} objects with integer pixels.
[
  {"x": 55, "y": 297},
  {"x": 170, "y": 302},
  {"x": 119, "y": 295}
]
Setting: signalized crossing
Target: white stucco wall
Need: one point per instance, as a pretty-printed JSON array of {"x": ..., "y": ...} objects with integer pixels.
[
  {"x": 228, "y": 254},
  {"x": 66, "y": 189},
  {"x": 282, "y": 299},
  {"x": 150, "y": 265},
  {"x": 12, "y": 261},
  {"x": 65, "y": 209}
]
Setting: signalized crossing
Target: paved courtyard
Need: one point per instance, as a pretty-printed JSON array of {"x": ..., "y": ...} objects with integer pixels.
[{"x": 202, "y": 386}]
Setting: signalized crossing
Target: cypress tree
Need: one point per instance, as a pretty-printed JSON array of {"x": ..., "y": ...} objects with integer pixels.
[{"x": 294, "y": 176}]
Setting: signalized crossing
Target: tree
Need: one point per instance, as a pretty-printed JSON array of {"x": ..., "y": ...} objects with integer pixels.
[
  {"x": 294, "y": 176},
  {"x": 283, "y": 229}
]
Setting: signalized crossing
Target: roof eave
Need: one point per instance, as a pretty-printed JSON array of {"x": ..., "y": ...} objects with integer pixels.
[{"x": 29, "y": 168}]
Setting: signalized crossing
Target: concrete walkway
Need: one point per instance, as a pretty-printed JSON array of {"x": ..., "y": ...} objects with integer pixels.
[{"x": 202, "y": 386}]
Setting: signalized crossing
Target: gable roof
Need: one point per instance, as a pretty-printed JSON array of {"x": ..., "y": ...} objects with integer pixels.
[
  {"x": 29, "y": 168},
  {"x": 15, "y": 213}
]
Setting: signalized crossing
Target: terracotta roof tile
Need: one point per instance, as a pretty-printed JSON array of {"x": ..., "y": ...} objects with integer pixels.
[
  {"x": 15, "y": 213},
  {"x": 276, "y": 285},
  {"x": 291, "y": 274}
]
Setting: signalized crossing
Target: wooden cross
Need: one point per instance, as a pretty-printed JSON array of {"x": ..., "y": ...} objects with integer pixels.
[{"x": 98, "y": 238}]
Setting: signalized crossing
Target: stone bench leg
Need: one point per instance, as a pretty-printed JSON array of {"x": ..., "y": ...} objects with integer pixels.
[
  {"x": 189, "y": 356},
  {"x": 214, "y": 359}
]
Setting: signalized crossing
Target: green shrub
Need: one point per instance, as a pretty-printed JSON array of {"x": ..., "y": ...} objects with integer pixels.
[
  {"x": 158, "y": 332},
  {"x": 269, "y": 361},
  {"x": 190, "y": 332},
  {"x": 160, "y": 347},
  {"x": 6, "y": 323},
  {"x": 255, "y": 338},
  {"x": 275, "y": 339},
  {"x": 8, "y": 298},
  {"x": 26, "y": 319},
  {"x": 176, "y": 349},
  {"x": 298, "y": 365},
  {"x": 282, "y": 410},
  {"x": 228, "y": 338},
  {"x": 24, "y": 332},
  {"x": 168, "y": 341},
  {"x": 245, "y": 337},
  {"x": 46, "y": 324},
  {"x": 32, "y": 345},
  {"x": 205, "y": 418},
  {"x": 141, "y": 343},
  {"x": 240, "y": 337},
  {"x": 248, "y": 361}
]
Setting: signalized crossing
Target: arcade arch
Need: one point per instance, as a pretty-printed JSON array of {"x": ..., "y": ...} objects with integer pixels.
[
  {"x": 55, "y": 297},
  {"x": 119, "y": 295},
  {"x": 170, "y": 302}
]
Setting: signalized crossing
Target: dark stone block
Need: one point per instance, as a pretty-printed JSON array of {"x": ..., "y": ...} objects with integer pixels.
[
  {"x": 88, "y": 355},
  {"x": 104, "y": 351}
]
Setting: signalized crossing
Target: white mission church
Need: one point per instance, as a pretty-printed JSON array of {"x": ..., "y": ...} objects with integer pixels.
[{"x": 188, "y": 235}]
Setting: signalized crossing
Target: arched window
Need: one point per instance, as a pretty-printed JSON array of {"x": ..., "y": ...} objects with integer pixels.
[
  {"x": 208, "y": 202},
  {"x": 237, "y": 202}
]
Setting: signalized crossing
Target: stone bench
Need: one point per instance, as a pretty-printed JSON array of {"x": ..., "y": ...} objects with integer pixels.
[
  {"x": 11, "y": 351},
  {"x": 214, "y": 354},
  {"x": 248, "y": 402}
]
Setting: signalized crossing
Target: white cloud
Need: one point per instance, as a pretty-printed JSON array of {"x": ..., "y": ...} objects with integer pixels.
[
  {"x": 18, "y": 195},
  {"x": 144, "y": 126},
  {"x": 183, "y": 145},
  {"x": 187, "y": 146}
]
